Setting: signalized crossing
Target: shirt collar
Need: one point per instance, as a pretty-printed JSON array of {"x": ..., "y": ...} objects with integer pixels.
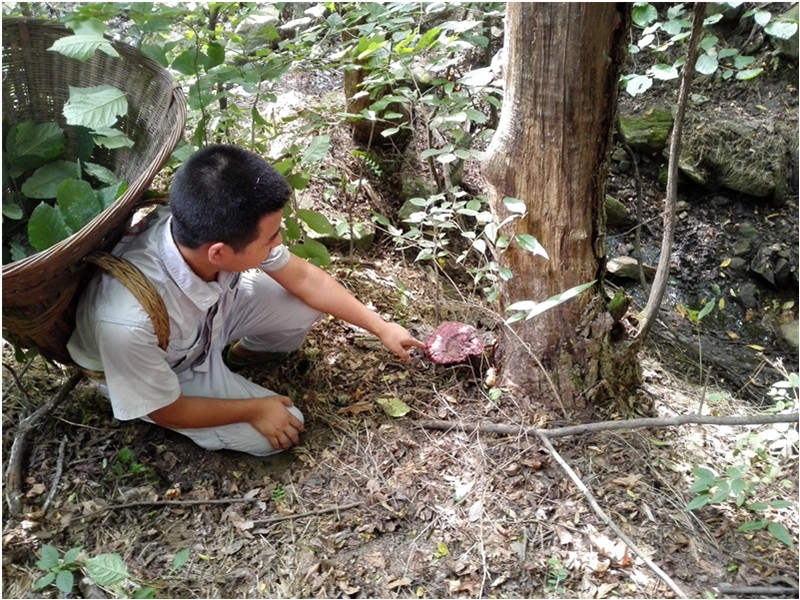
[{"x": 202, "y": 293}]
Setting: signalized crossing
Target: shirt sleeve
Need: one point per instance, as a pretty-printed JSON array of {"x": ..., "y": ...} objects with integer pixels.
[
  {"x": 138, "y": 376},
  {"x": 277, "y": 259}
]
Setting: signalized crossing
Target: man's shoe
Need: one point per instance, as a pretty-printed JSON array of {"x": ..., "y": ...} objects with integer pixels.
[{"x": 238, "y": 357}]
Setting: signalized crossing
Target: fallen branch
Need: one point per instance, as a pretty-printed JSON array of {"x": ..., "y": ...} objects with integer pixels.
[
  {"x": 559, "y": 432},
  {"x": 758, "y": 590},
  {"x": 606, "y": 519},
  {"x": 310, "y": 513},
  {"x": 141, "y": 503},
  {"x": 13, "y": 483},
  {"x": 57, "y": 477}
]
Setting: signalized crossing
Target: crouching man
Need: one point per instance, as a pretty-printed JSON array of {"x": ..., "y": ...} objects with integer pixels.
[{"x": 216, "y": 257}]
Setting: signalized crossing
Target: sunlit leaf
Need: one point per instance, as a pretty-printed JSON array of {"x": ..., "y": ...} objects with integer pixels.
[
  {"x": 531, "y": 244},
  {"x": 394, "y": 407},
  {"x": 95, "y": 107},
  {"x": 106, "y": 569},
  {"x": 780, "y": 533}
]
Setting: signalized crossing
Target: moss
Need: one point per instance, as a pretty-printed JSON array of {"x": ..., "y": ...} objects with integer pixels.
[{"x": 648, "y": 132}]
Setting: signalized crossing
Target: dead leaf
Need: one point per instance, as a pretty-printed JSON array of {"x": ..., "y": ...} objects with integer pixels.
[
  {"x": 605, "y": 589},
  {"x": 397, "y": 583},
  {"x": 357, "y": 408},
  {"x": 629, "y": 481},
  {"x": 476, "y": 510}
]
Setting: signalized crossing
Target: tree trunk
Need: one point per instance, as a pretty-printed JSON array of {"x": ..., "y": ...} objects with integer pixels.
[{"x": 550, "y": 150}]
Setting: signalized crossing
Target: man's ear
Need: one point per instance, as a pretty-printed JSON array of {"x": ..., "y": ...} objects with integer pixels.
[{"x": 219, "y": 253}]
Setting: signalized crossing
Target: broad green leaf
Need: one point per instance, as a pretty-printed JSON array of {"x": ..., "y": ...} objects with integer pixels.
[
  {"x": 44, "y": 182},
  {"x": 709, "y": 306},
  {"x": 762, "y": 17},
  {"x": 316, "y": 221},
  {"x": 78, "y": 203},
  {"x": 155, "y": 52},
  {"x": 780, "y": 533},
  {"x": 88, "y": 37},
  {"x": 780, "y": 504},
  {"x": 697, "y": 502},
  {"x": 12, "y": 211},
  {"x": 753, "y": 526},
  {"x": 748, "y": 74},
  {"x": 781, "y": 29},
  {"x": 49, "y": 558},
  {"x": 298, "y": 181},
  {"x": 313, "y": 251},
  {"x": 111, "y": 138},
  {"x": 95, "y": 107},
  {"x": 71, "y": 555},
  {"x": 107, "y": 195},
  {"x": 101, "y": 173},
  {"x": 181, "y": 558},
  {"x": 643, "y": 14},
  {"x": 29, "y": 145},
  {"x": 65, "y": 580},
  {"x": 758, "y": 506},
  {"x": 106, "y": 569},
  {"x": 638, "y": 85},
  {"x": 740, "y": 62},
  {"x": 706, "y": 64},
  {"x": 531, "y": 244},
  {"x": 187, "y": 62},
  {"x": 317, "y": 149},
  {"x": 390, "y": 132},
  {"x": 475, "y": 116},
  {"x": 216, "y": 55},
  {"x": 708, "y": 43},
  {"x": 394, "y": 407},
  {"x": 44, "y": 581},
  {"x": 663, "y": 72},
  {"x": 713, "y": 19},
  {"x": 515, "y": 205},
  {"x": 46, "y": 227}
]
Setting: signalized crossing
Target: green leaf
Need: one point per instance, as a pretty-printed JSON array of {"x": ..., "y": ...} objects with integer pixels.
[
  {"x": 753, "y": 526},
  {"x": 106, "y": 569},
  {"x": 95, "y": 107},
  {"x": 748, "y": 74},
  {"x": 181, "y": 558},
  {"x": 394, "y": 407},
  {"x": 78, "y": 203},
  {"x": 101, "y": 173},
  {"x": 44, "y": 182},
  {"x": 780, "y": 533},
  {"x": 71, "y": 555},
  {"x": 638, "y": 85},
  {"x": 313, "y": 251},
  {"x": 46, "y": 227},
  {"x": 531, "y": 244},
  {"x": 30, "y": 145},
  {"x": 317, "y": 149},
  {"x": 758, "y": 506},
  {"x": 697, "y": 502},
  {"x": 216, "y": 55},
  {"x": 515, "y": 205},
  {"x": 186, "y": 63},
  {"x": 643, "y": 14},
  {"x": 65, "y": 581},
  {"x": 111, "y": 138},
  {"x": 316, "y": 221},
  {"x": 12, "y": 211},
  {"x": 81, "y": 46},
  {"x": 49, "y": 558},
  {"x": 706, "y": 64},
  {"x": 781, "y": 29},
  {"x": 780, "y": 504},
  {"x": 709, "y": 306},
  {"x": 44, "y": 581},
  {"x": 536, "y": 308},
  {"x": 663, "y": 72},
  {"x": 762, "y": 17}
]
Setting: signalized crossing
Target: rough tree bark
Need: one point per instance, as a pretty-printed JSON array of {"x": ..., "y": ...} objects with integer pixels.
[{"x": 550, "y": 150}]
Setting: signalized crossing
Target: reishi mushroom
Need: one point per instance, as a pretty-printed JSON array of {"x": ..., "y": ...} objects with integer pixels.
[{"x": 453, "y": 342}]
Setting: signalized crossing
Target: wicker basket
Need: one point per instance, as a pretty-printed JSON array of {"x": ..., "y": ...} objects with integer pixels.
[{"x": 40, "y": 291}]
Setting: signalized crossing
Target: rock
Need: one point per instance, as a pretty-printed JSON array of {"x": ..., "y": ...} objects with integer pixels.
[
  {"x": 789, "y": 333},
  {"x": 742, "y": 247},
  {"x": 746, "y": 295},
  {"x": 617, "y": 215},
  {"x": 774, "y": 263},
  {"x": 747, "y": 230},
  {"x": 627, "y": 267},
  {"x": 648, "y": 133}
]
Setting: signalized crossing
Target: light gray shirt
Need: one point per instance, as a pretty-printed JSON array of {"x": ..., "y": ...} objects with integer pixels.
[{"x": 115, "y": 335}]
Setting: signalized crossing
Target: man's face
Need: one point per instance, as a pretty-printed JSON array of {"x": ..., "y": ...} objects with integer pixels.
[{"x": 269, "y": 236}]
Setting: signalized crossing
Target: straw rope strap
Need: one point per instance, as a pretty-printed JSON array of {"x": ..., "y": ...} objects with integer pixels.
[{"x": 138, "y": 285}]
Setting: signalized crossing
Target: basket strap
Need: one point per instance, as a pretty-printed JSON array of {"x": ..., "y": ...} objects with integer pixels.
[{"x": 138, "y": 285}]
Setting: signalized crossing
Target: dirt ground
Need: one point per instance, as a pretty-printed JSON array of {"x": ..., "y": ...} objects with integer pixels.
[{"x": 371, "y": 505}]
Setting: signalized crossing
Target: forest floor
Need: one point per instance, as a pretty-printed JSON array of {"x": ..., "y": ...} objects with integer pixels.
[{"x": 370, "y": 505}]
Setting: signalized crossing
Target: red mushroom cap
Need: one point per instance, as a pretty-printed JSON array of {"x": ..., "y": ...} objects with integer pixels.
[{"x": 453, "y": 342}]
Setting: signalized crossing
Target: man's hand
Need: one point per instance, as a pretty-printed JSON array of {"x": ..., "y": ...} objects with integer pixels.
[
  {"x": 281, "y": 428},
  {"x": 397, "y": 339}
]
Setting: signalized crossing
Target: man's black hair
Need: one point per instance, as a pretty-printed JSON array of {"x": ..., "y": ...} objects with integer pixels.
[{"x": 221, "y": 194}]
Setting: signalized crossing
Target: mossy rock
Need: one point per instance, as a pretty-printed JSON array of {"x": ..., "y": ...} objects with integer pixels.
[{"x": 648, "y": 133}]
